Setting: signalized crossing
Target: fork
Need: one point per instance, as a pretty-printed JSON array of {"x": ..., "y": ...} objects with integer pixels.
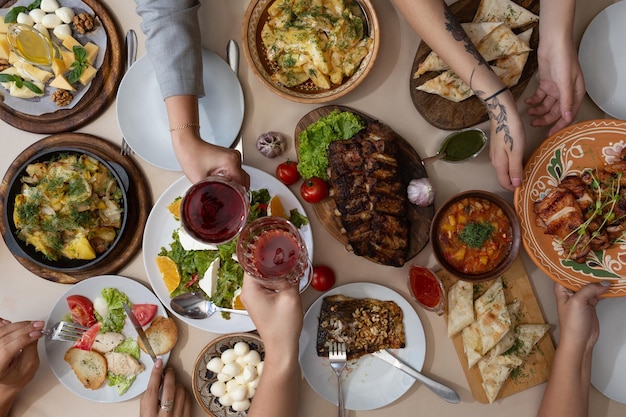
[
  {"x": 131, "y": 55},
  {"x": 65, "y": 331},
  {"x": 337, "y": 355}
]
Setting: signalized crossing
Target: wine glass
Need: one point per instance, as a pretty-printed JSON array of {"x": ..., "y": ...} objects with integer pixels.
[
  {"x": 215, "y": 210},
  {"x": 271, "y": 250}
]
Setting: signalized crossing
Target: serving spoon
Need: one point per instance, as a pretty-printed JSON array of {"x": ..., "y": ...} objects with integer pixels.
[{"x": 195, "y": 306}]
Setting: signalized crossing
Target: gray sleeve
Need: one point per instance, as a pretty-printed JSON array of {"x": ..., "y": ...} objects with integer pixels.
[{"x": 173, "y": 44}]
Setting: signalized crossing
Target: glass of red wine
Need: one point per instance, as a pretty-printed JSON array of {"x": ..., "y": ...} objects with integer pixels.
[
  {"x": 215, "y": 210},
  {"x": 271, "y": 250}
]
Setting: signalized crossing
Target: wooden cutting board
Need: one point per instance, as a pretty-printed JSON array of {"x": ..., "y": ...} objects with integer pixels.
[
  {"x": 411, "y": 167},
  {"x": 445, "y": 114},
  {"x": 100, "y": 94},
  {"x": 139, "y": 204},
  {"x": 536, "y": 368}
]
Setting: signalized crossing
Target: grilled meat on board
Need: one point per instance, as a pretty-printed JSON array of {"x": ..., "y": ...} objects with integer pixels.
[{"x": 369, "y": 193}]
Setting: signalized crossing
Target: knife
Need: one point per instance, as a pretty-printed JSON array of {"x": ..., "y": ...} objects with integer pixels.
[
  {"x": 140, "y": 332},
  {"x": 232, "y": 56},
  {"x": 441, "y": 390}
]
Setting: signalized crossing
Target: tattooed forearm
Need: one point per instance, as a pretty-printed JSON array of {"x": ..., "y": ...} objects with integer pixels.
[
  {"x": 497, "y": 111},
  {"x": 454, "y": 27}
]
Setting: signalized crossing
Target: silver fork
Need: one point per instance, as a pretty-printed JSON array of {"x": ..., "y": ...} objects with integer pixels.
[
  {"x": 65, "y": 331},
  {"x": 131, "y": 54},
  {"x": 337, "y": 355}
]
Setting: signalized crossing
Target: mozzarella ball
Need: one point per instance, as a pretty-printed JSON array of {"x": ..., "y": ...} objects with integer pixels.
[
  {"x": 231, "y": 369},
  {"x": 25, "y": 19},
  {"x": 62, "y": 31},
  {"x": 37, "y": 15},
  {"x": 215, "y": 365},
  {"x": 41, "y": 29},
  {"x": 251, "y": 391},
  {"x": 252, "y": 385},
  {"x": 226, "y": 400},
  {"x": 253, "y": 357},
  {"x": 51, "y": 21},
  {"x": 49, "y": 6},
  {"x": 239, "y": 393},
  {"x": 241, "y": 405},
  {"x": 259, "y": 368},
  {"x": 249, "y": 373},
  {"x": 241, "y": 348},
  {"x": 66, "y": 14},
  {"x": 223, "y": 377},
  {"x": 229, "y": 355},
  {"x": 218, "y": 388}
]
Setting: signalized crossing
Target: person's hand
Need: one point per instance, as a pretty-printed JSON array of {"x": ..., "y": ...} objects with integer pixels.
[
  {"x": 200, "y": 159},
  {"x": 561, "y": 87},
  {"x": 277, "y": 315},
  {"x": 175, "y": 402},
  {"x": 577, "y": 314},
  {"x": 19, "y": 359},
  {"x": 506, "y": 148}
]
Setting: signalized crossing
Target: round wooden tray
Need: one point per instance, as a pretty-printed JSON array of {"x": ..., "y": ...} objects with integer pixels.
[
  {"x": 139, "y": 204},
  {"x": 445, "y": 114},
  {"x": 412, "y": 167},
  {"x": 100, "y": 94}
]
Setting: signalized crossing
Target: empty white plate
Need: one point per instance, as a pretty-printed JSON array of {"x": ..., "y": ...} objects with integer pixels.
[{"x": 142, "y": 116}]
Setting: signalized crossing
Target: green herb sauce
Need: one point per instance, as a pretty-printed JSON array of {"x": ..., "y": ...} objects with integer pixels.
[{"x": 462, "y": 145}]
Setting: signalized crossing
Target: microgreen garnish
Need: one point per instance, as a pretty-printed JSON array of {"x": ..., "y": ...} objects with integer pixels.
[
  {"x": 11, "y": 17},
  {"x": 79, "y": 64},
  {"x": 20, "y": 82}
]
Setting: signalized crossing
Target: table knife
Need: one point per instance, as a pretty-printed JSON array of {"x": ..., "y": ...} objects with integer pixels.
[
  {"x": 441, "y": 390},
  {"x": 140, "y": 332},
  {"x": 232, "y": 56}
]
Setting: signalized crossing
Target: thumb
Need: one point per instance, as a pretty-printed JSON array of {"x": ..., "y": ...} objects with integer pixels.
[{"x": 592, "y": 291}]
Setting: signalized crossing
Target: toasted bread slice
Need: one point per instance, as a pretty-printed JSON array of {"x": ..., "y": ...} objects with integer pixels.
[
  {"x": 89, "y": 366},
  {"x": 162, "y": 335}
]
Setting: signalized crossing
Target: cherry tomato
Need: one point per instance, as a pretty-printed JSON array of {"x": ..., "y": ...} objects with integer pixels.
[
  {"x": 323, "y": 278},
  {"x": 86, "y": 340},
  {"x": 81, "y": 309},
  {"x": 144, "y": 312},
  {"x": 314, "y": 190},
  {"x": 287, "y": 172}
]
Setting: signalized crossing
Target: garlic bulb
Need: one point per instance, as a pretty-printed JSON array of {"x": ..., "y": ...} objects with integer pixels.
[
  {"x": 271, "y": 144},
  {"x": 421, "y": 192}
]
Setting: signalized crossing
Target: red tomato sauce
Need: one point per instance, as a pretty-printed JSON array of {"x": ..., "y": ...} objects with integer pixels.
[{"x": 425, "y": 287}]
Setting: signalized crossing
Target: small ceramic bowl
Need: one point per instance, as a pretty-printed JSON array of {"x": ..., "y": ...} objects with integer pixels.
[
  {"x": 457, "y": 257},
  {"x": 203, "y": 378},
  {"x": 255, "y": 18},
  {"x": 426, "y": 288}
]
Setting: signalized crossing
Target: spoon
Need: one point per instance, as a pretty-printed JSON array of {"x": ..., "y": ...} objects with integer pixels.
[{"x": 195, "y": 306}]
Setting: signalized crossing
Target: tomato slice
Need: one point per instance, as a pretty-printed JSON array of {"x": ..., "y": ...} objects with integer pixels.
[
  {"x": 87, "y": 339},
  {"x": 81, "y": 309},
  {"x": 144, "y": 312}
]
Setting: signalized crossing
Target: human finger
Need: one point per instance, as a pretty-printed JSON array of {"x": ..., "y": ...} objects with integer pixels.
[
  {"x": 150, "y": 398},
  {"x": 168, "y": 396},
  {"x": 561, "y": 294},
  {"x": 536, "y": 98},
  {"x": 591, "y": 292},
  {"x": 180, "y": 401},
  {"x": 15, "y": 336}
]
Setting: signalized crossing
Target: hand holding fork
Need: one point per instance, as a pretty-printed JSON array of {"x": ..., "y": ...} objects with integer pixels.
[{"x": 338, "y": 357}]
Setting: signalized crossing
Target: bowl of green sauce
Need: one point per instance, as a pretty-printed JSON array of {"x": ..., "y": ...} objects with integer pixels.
[{"x": 460, "y": 146}]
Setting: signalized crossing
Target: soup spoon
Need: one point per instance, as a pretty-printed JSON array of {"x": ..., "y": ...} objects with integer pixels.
[{"x": 195, "y": 306}]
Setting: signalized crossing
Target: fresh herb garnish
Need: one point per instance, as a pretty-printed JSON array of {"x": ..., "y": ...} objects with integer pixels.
[
  {"x": 475, "y": 234},
  {"x": 11, "y": 17},
  {"x": 79, "y": 64},
  {"x": 20, "y": 82}
]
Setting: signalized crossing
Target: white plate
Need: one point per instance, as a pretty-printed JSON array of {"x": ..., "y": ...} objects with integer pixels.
[
  {"x": 55, "y": 350},
  {"x": 142, "y": 116},
  {"x": 158, "y": 234},
  {"x": 370, "y": 383},
  {"x": 602, "y": 60},
  {"x": 608, "y": 372}
]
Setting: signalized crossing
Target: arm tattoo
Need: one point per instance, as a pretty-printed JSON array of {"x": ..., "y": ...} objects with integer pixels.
[
  {"x": 498, "y": 111},
  {"x": 454, "y": 27}
]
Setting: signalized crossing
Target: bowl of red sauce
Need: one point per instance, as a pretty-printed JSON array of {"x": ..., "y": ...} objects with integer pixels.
[
  {"x": 475, "y": 235},
  {"x": 426, "y": 288}
]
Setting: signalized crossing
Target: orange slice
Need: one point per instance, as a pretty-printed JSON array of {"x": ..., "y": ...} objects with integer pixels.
[
  {"x": 169, "y": 272},
  {"x": 275, "y": 208},
  {"x": 174, "y": 208},
  {"x": 237, "y": 304}
]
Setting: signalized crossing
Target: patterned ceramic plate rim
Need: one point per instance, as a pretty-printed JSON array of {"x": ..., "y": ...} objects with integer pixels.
[{"x": 580, "y": 146}]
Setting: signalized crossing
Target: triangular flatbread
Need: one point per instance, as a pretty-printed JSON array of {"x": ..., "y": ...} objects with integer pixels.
[
  {"x": 492, "y": 316},
  {"x": 460, "y": 306},
  {"x": 513, "y": 65},
  {"x": 528, "y": 335},
  {"x": 507, "y": 11},
  {"x": 494, "y": 371},
  {"x": 501, "y": 42},
  {"x": 447, "y": 85},
  {"x": 472, "y": 344}
]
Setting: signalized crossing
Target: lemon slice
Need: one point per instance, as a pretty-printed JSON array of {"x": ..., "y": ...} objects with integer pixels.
[
  {"x": 275, "y": 208},
  {"x": 169, "y": 272},
  {"x": 174, "y": 208}
]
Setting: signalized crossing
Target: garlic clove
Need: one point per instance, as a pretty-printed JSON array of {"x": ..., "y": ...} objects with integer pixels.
[{"x": 271, "y": 144}]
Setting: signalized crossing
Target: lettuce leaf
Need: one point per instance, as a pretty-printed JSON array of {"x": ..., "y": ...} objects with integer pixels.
[
  {"x": 115, "y": 318},
  {"x": 121, "y": 383}
]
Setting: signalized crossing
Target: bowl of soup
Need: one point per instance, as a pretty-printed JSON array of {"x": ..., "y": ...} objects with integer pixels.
[{"x": 475, "y": 235}]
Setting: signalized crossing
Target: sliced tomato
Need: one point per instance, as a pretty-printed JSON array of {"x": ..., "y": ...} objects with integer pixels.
[
  {"x": 87, "y": 339},
  {"x": 81, "y": 309},
  {"x": 144, "y": 312}
]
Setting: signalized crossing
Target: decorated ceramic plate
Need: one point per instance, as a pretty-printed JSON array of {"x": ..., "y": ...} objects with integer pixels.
[{"x": 583, "y": 146}]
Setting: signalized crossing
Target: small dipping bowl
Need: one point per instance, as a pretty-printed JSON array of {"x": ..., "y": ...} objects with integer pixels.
[
  {"x": 215, "y": 210},
  {"x": 460, "y": 146},
  {"x": 426, "y": 289}
]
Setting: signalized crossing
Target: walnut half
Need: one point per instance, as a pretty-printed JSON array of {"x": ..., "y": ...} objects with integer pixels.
[
  {"x": 83, "y": 23},
  {"x": 62, "y": 97},
  {"x": 4, "y": 64}
]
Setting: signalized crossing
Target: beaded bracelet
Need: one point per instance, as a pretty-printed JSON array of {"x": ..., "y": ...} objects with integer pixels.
[
  {"x": 185, "y": 126},
  {"x": 503, "y": 89}
]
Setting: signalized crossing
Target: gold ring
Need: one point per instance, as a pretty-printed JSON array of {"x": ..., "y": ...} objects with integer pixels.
[{"x": 167, "y": 405}]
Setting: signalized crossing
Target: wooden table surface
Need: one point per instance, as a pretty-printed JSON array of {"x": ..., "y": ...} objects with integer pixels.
[{"x": 385, "y": 95}]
